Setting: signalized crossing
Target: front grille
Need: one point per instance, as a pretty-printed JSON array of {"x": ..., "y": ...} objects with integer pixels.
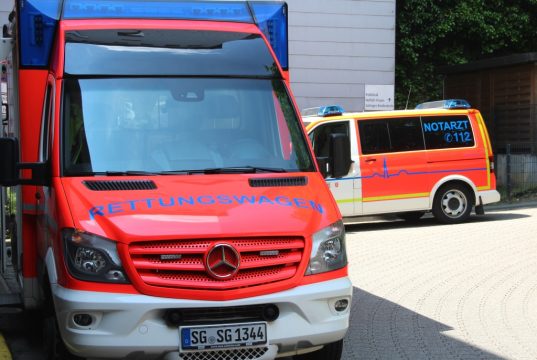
[
  {"x": 180, "y": 263},
  {"x": 230, "y": 354},
  {"x": 218, "y": 315}
]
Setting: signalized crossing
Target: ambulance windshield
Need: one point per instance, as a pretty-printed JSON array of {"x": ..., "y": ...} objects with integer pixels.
[{"x": 125, "y": 125}]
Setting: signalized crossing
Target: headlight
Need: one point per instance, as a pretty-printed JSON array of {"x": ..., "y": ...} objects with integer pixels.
[
  {"x": 328, "y": 249},
  {"x": 92, "y": 258}
]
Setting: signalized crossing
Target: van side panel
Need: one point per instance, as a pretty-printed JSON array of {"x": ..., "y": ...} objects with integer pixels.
[
  {"x": 469, "y": 162},
  {"x": 491, "y": 184},
  {"x": 391, "y": 177}
]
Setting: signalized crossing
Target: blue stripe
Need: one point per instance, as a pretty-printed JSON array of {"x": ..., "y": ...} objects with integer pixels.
[{"x": 386, "y": 174}]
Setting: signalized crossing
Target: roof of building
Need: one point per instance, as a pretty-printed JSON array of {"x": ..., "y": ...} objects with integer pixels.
[{"x": 502, "y": 61}]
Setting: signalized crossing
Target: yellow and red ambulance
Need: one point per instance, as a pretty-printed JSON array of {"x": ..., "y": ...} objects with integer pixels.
[
  {"x": 436, "y": 158},
  {"x": 169, "y": 201}
]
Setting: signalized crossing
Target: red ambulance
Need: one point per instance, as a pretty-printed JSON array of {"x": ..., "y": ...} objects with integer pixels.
[{"x": 170, "y": 203}]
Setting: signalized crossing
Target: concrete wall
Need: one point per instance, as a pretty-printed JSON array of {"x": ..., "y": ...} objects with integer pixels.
[
  {"x": 5, "y": 8},
  {"x": 338, "y": 46}
]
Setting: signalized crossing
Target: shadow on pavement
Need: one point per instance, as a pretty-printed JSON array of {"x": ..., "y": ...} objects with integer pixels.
[
  {"x": 381, "y": 329},
  {"x": 392, "y": 222},
  {"x": 22, "y": 332}
]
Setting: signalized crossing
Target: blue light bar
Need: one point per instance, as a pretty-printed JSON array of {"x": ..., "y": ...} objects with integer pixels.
[
  {"x": 330, "y": 110},
  {"x": 271, "y": 17},
  {"x": 142, "y": 9},
  {"x": 445, "y": 104},
  {"x": 38, "y": 20}
]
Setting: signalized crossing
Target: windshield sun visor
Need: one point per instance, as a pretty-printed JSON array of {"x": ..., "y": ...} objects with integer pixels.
[{"x": 167, "y": 52}]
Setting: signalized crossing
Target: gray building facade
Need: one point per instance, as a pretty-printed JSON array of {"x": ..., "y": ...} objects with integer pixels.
[
  {"x": 5, "y": 8},
  {"x": 339, "y": 46}
]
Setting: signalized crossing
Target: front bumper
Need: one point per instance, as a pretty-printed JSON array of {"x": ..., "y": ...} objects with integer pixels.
[{"x": 133, "y": 326}]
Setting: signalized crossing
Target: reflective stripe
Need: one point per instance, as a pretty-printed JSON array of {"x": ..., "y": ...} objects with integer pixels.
[
  {"x": 346, "y": 201},
  {"x": 487, "y": 146},
  {"x": 4, "y": 350},
  {"x": 395, "y": 197},
  {"x": 380, "y": 198}
]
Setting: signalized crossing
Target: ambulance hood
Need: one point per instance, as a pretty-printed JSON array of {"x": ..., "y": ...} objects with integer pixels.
[{"x": 127, "y": 209}]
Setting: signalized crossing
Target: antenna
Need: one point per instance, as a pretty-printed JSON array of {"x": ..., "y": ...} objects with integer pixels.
[{"x": 408, "y": 97}]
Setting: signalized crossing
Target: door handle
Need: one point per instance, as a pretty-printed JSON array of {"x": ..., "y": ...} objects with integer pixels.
[{"x": 370, "y": 160}]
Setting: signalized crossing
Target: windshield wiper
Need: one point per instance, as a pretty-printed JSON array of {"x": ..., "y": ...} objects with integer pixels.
[
  {"x": 243, "y": 170},
  {"x": 127, "y": 173},
  {"x": 229, "y": 170},
  {"x": 208, "y": 171}
]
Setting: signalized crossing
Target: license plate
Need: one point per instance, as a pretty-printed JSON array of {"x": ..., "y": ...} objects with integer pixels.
[{"x": 223, "y": 336}]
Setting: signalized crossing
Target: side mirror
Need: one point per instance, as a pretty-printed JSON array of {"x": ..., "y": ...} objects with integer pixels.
[
  {"x": 10, "y": 166},
  {"x": 340, "y": 155},
  {"x": 322, "y": 161},
  {"x": 9, "y": 158}
]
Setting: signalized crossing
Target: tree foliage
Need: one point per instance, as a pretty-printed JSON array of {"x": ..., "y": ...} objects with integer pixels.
[{"x": 431, "y": 34}]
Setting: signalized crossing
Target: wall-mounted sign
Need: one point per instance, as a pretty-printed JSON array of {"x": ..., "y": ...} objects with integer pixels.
[{"x": 379, "y": 97}]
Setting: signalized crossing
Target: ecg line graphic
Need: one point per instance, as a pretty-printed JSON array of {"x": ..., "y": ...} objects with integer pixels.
[{"x": 387, "y": 175}]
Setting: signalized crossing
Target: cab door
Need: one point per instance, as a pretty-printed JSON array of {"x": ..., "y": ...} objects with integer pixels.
[
  {"x": 345, "y": 189},
  {"x": 45, "y": 203},
  {"x": 393, "y": 163}
]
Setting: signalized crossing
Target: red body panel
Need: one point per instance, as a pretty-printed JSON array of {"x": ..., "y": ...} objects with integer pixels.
[
  {"x": 413, "y": 174},
  {"x": 32, "y": 84},
  {"x": 214, "y": 207},
  {"x": 182, "y": 208}
]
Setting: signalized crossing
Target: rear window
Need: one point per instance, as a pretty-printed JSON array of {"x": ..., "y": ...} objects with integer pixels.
[
  {"x": 442, "y": 132},
  {"x": 374, "y": 136},
  {"x": 415, "y": 133}
]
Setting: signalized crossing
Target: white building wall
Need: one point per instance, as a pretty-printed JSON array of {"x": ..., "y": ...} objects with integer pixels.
[
  {"x": 5, "y": 8},
  {"x": 338, "y": 46}
]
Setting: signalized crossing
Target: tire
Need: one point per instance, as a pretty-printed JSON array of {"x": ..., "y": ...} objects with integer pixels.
[
  {"x": 411, "y": 216},
  {"x": 452, "y": 204},
  {"x": 53, "y": 345},
  {"x": 331, "y": 351}
]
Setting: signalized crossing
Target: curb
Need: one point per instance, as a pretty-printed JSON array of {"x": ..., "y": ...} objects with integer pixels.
[{"x": 510, "y": 206}]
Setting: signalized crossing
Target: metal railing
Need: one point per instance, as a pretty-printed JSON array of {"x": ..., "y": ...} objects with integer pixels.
[{"x": 516, "y": 170}]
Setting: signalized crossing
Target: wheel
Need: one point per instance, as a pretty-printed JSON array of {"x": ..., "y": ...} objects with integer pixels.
[
  {"x": 411, "y": 216},
  {"x": 328, "y": 352},
  {"x": 452, "y": 204},
  {"x": 53, "y": 345}
]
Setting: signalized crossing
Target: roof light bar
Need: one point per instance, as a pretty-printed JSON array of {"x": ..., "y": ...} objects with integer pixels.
[
  {"x": 445, "y": 104},
  {"x": 330, "y": 110},
  {"x": 141, "y": 9},
  {"x": 38, "y": 20},
  {"x": 271, "y": 17}
]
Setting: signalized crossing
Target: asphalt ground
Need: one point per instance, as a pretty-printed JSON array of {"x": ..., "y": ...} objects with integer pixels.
[
  {"x": 428, "y": 291},
  {"x": 421, "y": 290}
]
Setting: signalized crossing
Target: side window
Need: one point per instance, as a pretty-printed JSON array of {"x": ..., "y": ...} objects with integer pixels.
[
  {"x": 405, "y": 134},
  {"x": 374, "y": 136},
  {"x": 447, "y": 132},
  {"x": 320, "y": 138},
  {"x": 46, "y": 120}
]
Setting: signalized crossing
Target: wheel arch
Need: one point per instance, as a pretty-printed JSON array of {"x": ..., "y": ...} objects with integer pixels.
[
  {"x": 47, "y": 276},
  {"x": 454, "y": 179}
]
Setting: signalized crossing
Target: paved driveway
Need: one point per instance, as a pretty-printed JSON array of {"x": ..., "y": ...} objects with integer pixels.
[{"x": 430, "y": 291}]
